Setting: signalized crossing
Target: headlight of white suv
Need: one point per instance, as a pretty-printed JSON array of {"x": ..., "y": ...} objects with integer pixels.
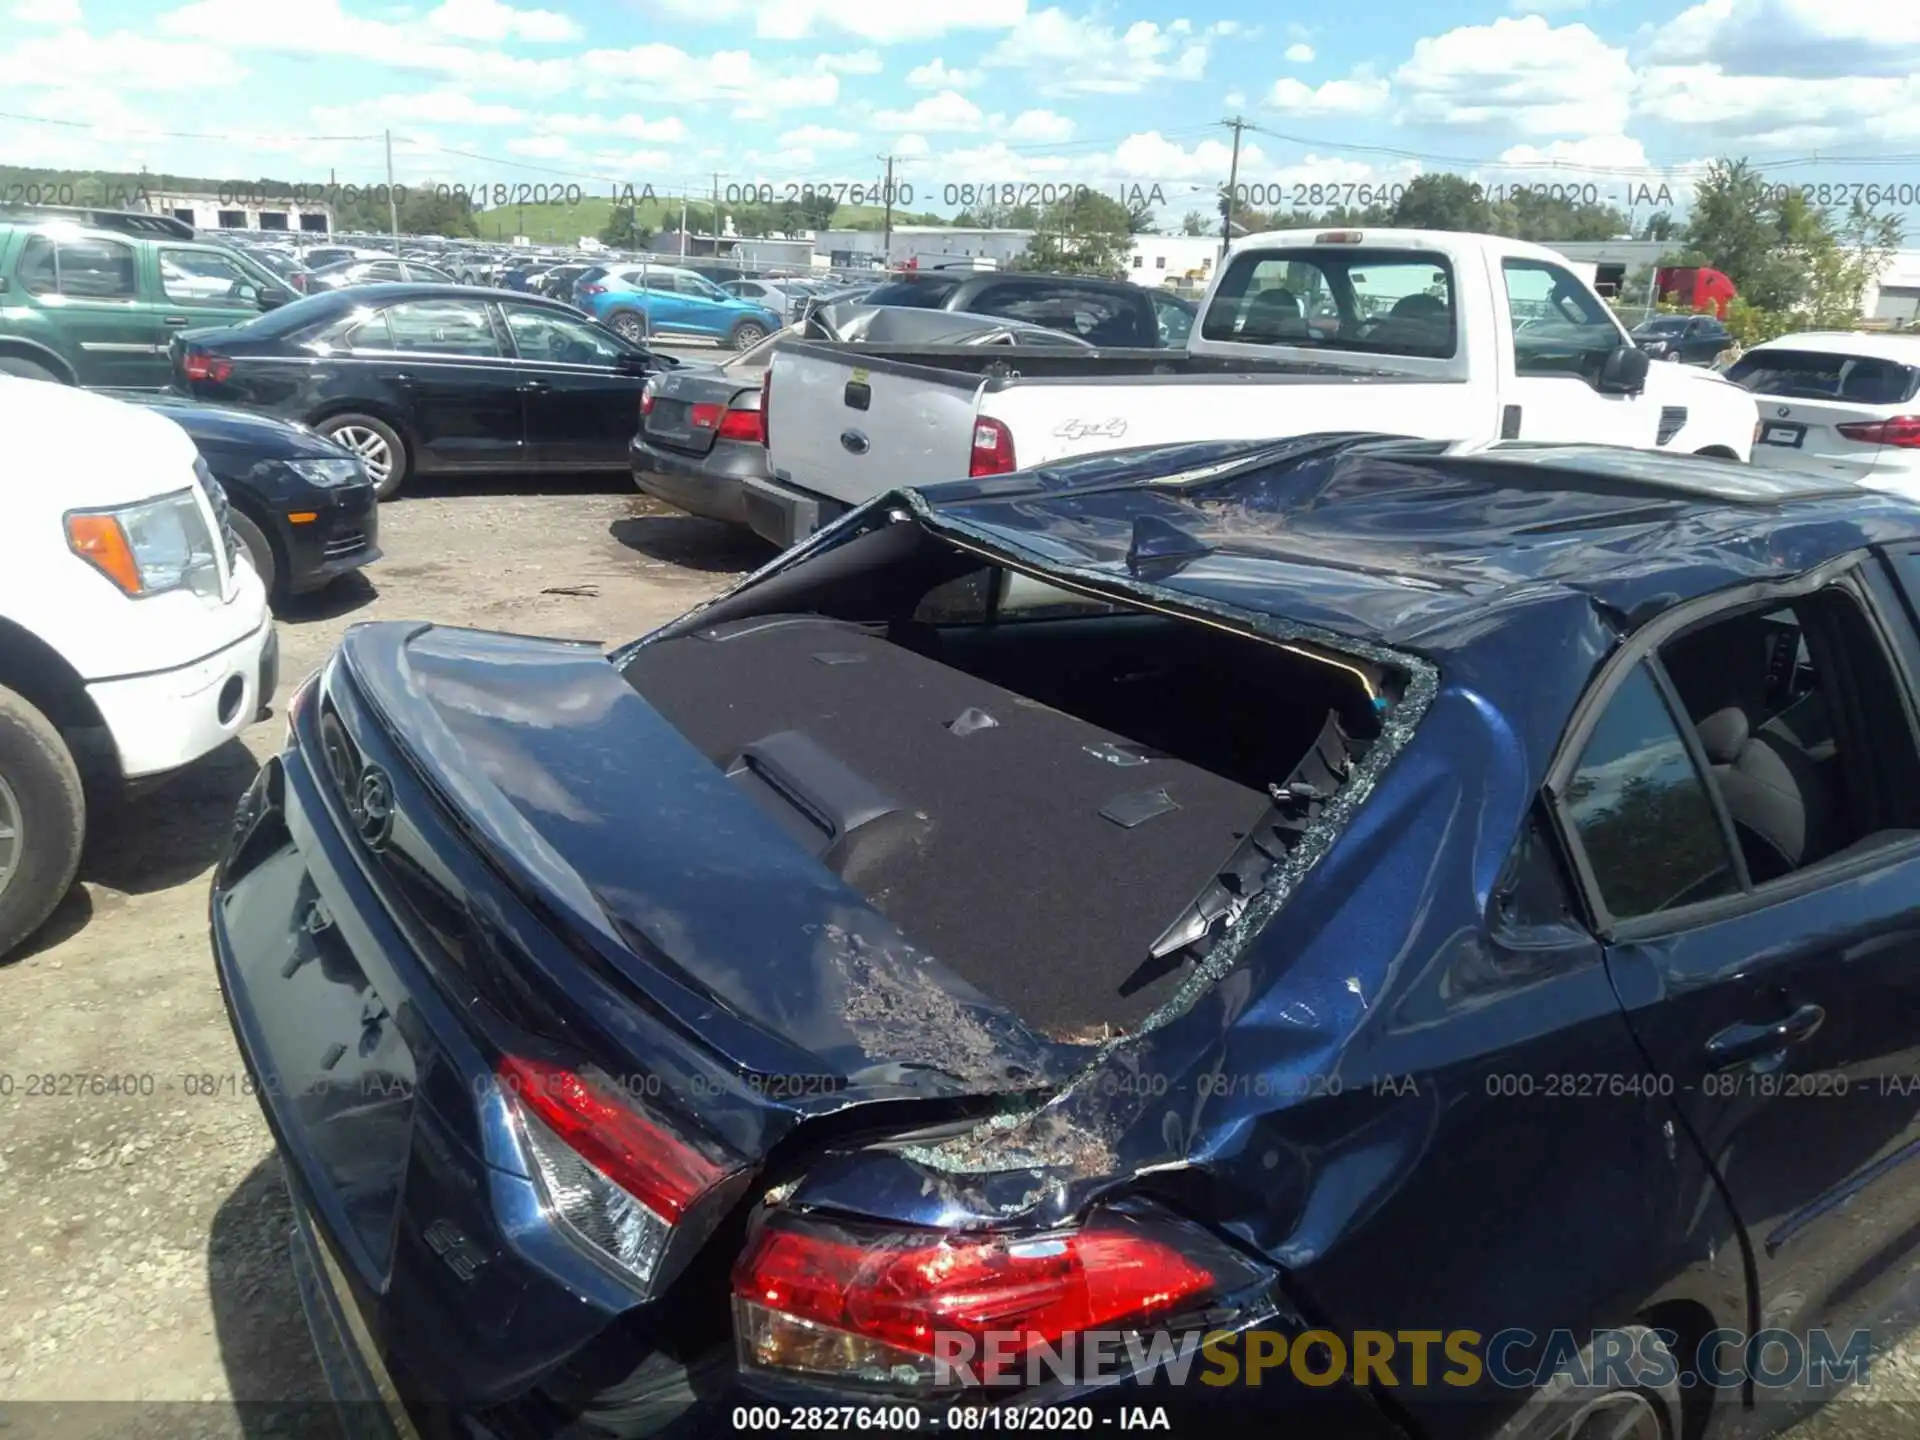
[
  {"x": 344, "y": 471},
  {"x": 150, "y": 547}
]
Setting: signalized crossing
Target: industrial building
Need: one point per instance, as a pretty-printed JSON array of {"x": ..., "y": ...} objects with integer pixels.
[{"x": 214, "y": 212}]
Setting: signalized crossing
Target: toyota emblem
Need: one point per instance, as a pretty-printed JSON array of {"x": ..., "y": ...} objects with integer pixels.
[{"x": 373, "y": 807}]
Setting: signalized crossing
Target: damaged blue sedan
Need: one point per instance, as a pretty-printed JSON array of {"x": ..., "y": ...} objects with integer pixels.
[{"x": 1347, "y": 937}]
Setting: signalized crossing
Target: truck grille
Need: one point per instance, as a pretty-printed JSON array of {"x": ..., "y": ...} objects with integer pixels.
[{"x": 222, "y": 512}]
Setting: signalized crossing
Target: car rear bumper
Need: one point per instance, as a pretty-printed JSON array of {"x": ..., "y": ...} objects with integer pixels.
[
  {"x": 170, "y": 718},
  {"x": 783, "y": 515},
  {"x": 343, "y": 535},
  {"x": 690, "y": 483}
]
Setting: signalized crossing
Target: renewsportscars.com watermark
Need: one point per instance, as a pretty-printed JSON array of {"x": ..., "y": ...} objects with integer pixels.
[{"x": 1457, "y": 1359}]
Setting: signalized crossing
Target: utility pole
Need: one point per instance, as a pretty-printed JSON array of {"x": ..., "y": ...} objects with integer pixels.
[
  {"x": 886, "y": 233},
  {"x": 683, "y": 227},
  {"x": 1233, "y": 179},
  {"x": 716, "y": 210},
  {"x": 393, "y": 205}
]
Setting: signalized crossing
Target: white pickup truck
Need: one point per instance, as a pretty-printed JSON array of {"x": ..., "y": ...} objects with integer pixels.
[
  {"x": 1431, "y": 334},
  {"x": 134, "y": 636}
]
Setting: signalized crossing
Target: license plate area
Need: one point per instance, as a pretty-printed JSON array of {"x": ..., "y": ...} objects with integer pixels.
[
  {"x": 1786, "y": 436},
  {"x": 327, "y": 1051}
]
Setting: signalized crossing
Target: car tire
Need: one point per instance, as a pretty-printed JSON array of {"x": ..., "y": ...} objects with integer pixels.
[
  {"x": 28, "y": 369},
  {"x": 1563, "y": 1409},
  {"x": 630, "y": 325},
  {"x": 260, "y": 552},
  {"x": 378, "y": 445},
  {"x": 43, "y": 819},
  {"x": 747, "y": 334}
]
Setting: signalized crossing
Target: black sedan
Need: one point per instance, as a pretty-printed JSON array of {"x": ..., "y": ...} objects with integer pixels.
[
  {"x": 1689, "y": 339},
  {"x": 302, "y": 508},
  {"x": 432, "y": 379}
]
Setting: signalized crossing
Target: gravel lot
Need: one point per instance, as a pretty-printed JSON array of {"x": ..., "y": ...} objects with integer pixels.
[
  {"x": 144, "y": 1289},
  {"x": 142, "y": 1235}
]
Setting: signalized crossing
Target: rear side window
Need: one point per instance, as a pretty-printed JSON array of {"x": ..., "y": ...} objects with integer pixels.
[
  {"x": 443, "y": 327},
  {"x": 1642, "y": 812},
  {"x": 1823, "y": 375},
  {"x": 1380, "y": 302},
  {"x": 82, "y": 269}
]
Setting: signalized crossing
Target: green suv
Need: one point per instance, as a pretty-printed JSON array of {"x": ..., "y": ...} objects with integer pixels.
[{"x": 93, "y": 297}]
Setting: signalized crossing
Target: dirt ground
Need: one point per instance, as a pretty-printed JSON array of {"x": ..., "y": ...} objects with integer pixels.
[
  {"x": 143, "y": 1233},
  {"x": 144, "y": 1284}
]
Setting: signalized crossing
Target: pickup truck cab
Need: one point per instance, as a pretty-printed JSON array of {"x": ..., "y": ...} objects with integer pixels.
[
  {"x": 93, "y": 297},
  {"x": 134, "y": 635},
  {"x": 1429, "y": 334}
]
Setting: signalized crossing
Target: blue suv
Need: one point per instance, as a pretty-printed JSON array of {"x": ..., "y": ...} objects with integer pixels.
[{"x": 637, "y": 301}]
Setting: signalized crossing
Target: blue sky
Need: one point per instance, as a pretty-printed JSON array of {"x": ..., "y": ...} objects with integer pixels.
[{"x": 1605, "y": 95}]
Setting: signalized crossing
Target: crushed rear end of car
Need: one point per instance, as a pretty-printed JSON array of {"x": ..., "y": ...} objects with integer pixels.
[{"x": 705, "y": 1022}]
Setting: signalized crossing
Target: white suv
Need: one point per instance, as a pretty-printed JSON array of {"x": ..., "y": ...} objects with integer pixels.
[
  {"x": 134, "y": 635},
  {"x": 1841, "y": 404}
]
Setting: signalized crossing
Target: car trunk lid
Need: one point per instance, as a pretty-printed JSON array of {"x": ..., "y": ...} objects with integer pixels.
[
  {"x": 668, "y": 882},
  {"x": 690, "y": 405}
]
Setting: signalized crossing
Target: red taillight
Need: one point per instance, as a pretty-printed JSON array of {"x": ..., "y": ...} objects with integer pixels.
[
  {"x": 299, "y": 282},
  {"x": 742, "y": 425},
  {"x": 199, "y": 365},
  {"x": 1902, "y": 432},
  {"x": 646, "y": 401},
  {"x": 812, "y": 1295},
  {"x": 705, "y": 417},
  {"x": 992, "y": 449},
  {"x": 603, "y": 1125},
  {"x": 593, "y": 289}
]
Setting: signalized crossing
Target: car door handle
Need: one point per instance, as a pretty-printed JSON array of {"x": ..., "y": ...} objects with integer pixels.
[
  {"x": 403, "y": 381},
  {"x": 1739, "y": 1043},
  {"x": 175, "y": 320},
  {"x": 534, "y": 387}
]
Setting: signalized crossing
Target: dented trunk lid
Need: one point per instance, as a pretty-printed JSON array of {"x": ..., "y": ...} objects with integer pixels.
[{"x": 664, "y": 880}]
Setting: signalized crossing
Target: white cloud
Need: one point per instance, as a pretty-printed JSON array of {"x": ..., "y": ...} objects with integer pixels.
[
  {"x": 857, "y": 62},
  {"x": 910, "y": 147},
  {"x": 44, "y": 12},
  {"x": 431, "y": 107},
  {"x": 1235, "y": 99},
  {"x": 626, "y": 127},
  {"x": 818, "y": 137},
  {"x": 1076, "y": 56},
  {"x": 881, "y": 24},
  {"x": 949, "y": 110},
  {"x": 1300, "y": 53},
  {"x": 1040, "y": 127},
  {"x": 322, "y": 27},
  {"x": 1804, "y": 39},
  {"x": 1524, "y": 75},
  {"x": 669, "y": 75},
  {"x": 1770, "y": 112},
  {"x": 540, "y": 147},
  {"x": 1362, "y": 93},
  {"x": 935, "y": 75},
  {"x": 489, "y": 20},
  {"x": 75, "y": 59}
]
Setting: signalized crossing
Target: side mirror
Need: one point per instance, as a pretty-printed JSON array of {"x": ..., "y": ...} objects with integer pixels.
[{"x": 1625, "y": 371}]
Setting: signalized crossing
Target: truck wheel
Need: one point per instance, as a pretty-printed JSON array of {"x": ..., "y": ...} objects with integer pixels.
[
  {"x": 747, "y": 334},
  {"x": 27, "y": 369},
  {"x": 43, "y": 819},
  {"x": 259, "y": 552},
  {"x": 379, "y": 447}
]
